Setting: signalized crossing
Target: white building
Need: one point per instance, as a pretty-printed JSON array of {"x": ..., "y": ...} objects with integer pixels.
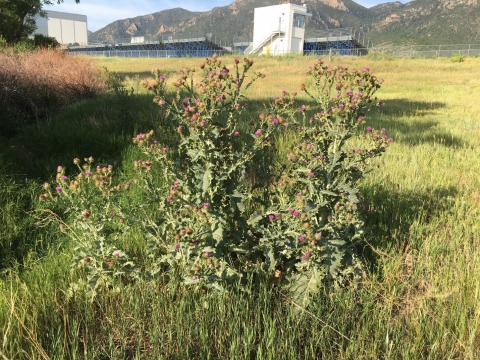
[
  {"x": 66, "y": 28},
  {"x": 278, "y": 29}
]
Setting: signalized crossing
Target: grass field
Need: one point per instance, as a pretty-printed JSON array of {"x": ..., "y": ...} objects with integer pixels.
[{"x": 420, "y": 298}]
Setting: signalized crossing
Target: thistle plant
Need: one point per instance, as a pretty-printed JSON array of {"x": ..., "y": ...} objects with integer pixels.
[
  {"x": 310, "y": 228},
  {"x": 94, "y": 220},
  {"x": 203, "y": 230},
  {"x": 198, "y": 219}
]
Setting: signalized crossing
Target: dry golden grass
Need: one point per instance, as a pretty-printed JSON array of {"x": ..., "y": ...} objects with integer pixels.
[{"x": 46, "y": 80}]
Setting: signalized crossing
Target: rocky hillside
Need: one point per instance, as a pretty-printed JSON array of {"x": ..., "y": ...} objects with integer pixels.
[
  {"x": 419, "y": 21},
  {"x": 427, "y": 22}
]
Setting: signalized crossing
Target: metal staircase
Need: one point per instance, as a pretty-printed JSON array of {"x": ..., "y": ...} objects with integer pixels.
[{"x": 268, "y": 39}]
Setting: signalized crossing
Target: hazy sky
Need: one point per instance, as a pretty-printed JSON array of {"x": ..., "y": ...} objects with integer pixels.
[{"x": 102, "y": 12}]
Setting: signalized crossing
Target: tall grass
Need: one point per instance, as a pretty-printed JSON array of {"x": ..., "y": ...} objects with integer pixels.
[
  {"x": 36, "y": 84},
  {"x": 420, "y": 298}
]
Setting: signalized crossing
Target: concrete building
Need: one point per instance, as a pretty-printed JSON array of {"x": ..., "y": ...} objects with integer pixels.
[
  {"x": 66, "y": 28},
  {"x": 278, "y": 29}
]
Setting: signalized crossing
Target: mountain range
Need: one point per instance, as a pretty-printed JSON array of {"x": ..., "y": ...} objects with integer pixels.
[{"x": 416, "y": 22}]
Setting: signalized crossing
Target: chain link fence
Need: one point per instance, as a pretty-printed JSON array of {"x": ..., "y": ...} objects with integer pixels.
[{"x": 429, "y": 51}]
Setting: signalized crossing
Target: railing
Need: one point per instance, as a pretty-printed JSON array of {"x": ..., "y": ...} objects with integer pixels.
[
  {"x": 423, "y": 51},
  {"x": 250, "y": 50},
  {"x": 152, "y": 53},
  {"x": 165, "y": 39}
]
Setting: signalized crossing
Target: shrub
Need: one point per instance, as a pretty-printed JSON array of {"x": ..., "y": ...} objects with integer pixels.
[
  {"x": 457, "y": 58},
  {"x": 3, "y": 42},
  {"x": 34, "y": 84},
  {"x": 42, "y": 41},
  {"x": 27, "y": 45},
  {"x": 205, "y": 223}
]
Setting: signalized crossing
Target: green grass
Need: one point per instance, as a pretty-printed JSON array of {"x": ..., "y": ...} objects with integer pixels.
[{"x": 421, "y": 295}]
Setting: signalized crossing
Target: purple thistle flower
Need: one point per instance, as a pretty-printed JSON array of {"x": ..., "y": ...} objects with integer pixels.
[
  {"x": 236, "y": 61},
  {"x": 295, "y": 213},
  {"x": 271, "y": 217},
  {"x": 310, "y": 174},
  {"x": 291, "y": 211},
  {"x": 369, "y": 128},
  {"x": 301, "y": 238},
  {"x": 116, "y": 254},
  {"x": 236, "y": 133},
  {"x": 258, "y": 132},
  {"x": 169, "y": 198},
  {"x": 58, "y": 189},
  {"x": 306, "y": 256},
  {"x": 206, "y": 205},
  {"x": 88, "y": 173},
  {"x": 177, "y": 247}
]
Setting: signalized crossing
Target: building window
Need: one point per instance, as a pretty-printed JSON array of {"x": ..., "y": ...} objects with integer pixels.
[{"x": 299, "y": 21}]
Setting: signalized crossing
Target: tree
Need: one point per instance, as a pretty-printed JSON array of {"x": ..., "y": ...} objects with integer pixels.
[{"x": 17, "y": 17}]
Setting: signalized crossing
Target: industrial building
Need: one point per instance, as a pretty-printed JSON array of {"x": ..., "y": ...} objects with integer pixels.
[
  {"x": 278, "y": 29},
  {"x": 66, "y": 28}
]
